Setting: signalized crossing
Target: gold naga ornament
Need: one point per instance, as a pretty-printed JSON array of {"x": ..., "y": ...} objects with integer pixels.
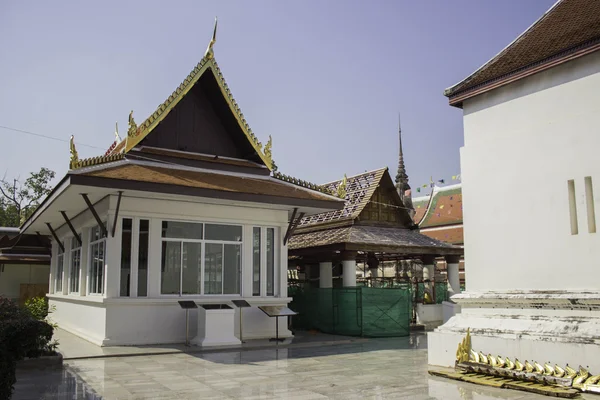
[
  {"x": 132, "y": 128},
  {"x": 74, "y": 160},
  {"x": 341, "y": 189},
  {"x": 498, "y": 371}
]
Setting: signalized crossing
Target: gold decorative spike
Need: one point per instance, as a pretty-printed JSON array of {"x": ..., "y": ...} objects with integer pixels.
[
  {"x": 464, "y": 348},
  {"x": 132, "y": 129},
  {"x": 570, "y": 372},
  {"x": 483, "y": 358},
  {"x": 538, "y": 367},
  {"x": 341, "y": 189},
  {"x": 501, "y": 362},
  {"x": 117, "y": 137},
  {"x": 209, "y": 54},
  {"x": 493, "y": 361},
  {"x": 581, "y": 376},
  {"x": 548, "y": 370},
  {"x": 74, "y": 156},
  {"x": 518, "y": 365},
  {"x": 528, "y": 366},
  {"x": 509, "y": 363},
  {"x": 474, "y": 356},
  {"x": 558, "y": 371}
]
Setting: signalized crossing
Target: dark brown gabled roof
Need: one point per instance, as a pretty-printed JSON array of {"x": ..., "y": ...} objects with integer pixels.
[
  {"x": 571, "y": 28},
  {"x": 359, "y": 190}
]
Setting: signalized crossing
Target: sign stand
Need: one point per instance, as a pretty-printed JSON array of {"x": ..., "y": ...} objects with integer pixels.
[
  {"x": 187, "y": 305},
  {"x": 241, "y": 304},
  {"x": 276, "y": 312}
]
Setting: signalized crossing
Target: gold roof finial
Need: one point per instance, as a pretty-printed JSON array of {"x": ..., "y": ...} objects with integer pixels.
[
  {"x": 209, "y": 50},
  {"x": 132, "y": 125},
  {"x": 341, "y": 190},
  {"x": 267, "y": 150},
  {"x": 117, "y": 137},
  {"x": 74, "y": 156}
]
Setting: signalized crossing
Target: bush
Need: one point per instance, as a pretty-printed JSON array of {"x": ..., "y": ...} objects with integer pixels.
[
  {"x": 37, "y": 307},
  {"x": 21, "y": 336}
]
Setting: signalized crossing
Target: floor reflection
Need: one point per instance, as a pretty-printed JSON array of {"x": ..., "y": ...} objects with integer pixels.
[{"x": 52, "y": 384}]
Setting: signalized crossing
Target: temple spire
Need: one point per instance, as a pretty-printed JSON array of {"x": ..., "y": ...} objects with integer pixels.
[
  {"x": 401, "y": 176},
  {"x": 209, "y": 50}
]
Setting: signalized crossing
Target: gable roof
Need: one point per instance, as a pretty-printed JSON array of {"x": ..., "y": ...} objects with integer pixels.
[
  {"x": 443, "y": 207},
  {"x": 359, "y": 189},
  {"x": 570, "y": 29},
  {"x": 207, "y": 65}
]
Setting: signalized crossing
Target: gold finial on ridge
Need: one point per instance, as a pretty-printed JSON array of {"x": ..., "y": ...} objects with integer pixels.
[
  {"x": 267, "y": 149},
  {"x": 209, "y": 54},
  {"x": 74, "y": 156},
  {"x": 132, "y": 125},
  {"x": 341, "y": 189}
]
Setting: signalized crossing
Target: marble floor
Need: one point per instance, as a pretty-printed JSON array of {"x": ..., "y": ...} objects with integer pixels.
[{"x": 375, "y": 369}]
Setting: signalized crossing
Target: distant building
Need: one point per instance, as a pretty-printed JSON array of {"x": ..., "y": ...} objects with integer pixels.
[{"x": 529, "y": 170}]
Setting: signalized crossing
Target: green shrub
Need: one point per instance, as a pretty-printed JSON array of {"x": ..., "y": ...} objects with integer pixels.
[
  {"x": 37, "y": 307},
  {"x": 21, "y": 336}
]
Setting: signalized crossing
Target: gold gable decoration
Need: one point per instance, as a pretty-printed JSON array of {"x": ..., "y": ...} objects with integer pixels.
[
  {"x": 74, "y": 159},
  {"x": 136, "y": 133},
  {"x": 299, "y": 182},
  {"x": 341, "y": 190},
  {"x": 502, "y": 372}
]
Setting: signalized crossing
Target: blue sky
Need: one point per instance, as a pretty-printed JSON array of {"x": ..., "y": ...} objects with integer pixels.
[{"x": 325, "y": 78}]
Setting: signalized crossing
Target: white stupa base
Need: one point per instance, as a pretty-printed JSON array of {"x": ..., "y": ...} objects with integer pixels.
[
  {"x": 216, "y": 328},
  {"x": 557, "y": 327}
]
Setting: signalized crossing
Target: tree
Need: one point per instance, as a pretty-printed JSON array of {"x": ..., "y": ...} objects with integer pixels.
[{"x": 18, "y": 200}]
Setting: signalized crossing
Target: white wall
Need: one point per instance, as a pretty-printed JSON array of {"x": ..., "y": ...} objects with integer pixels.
[
  {"x": 80, "y": 316},
  {"x": 13, "y": 275},
  {"x": 522, "y": 143}
]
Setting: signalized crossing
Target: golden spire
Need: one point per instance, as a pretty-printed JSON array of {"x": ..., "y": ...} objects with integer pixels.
[
  {"x": 74, "y": 156},
  {"x": 117, "y": 137},
  {"x": 209, "y": 50}
]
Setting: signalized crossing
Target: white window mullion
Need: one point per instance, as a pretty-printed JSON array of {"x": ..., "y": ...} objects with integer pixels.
[
  {"x": 222, "y": 267},
  {"x": 202, "y": 250},
  {"x": 181, "y": 269},
  {"x": 263, "y": 262},
  {"x": 135, "y": 238}
]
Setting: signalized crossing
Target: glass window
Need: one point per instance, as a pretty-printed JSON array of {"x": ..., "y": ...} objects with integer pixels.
[
  {"x": 256, "y": 261},
  {"x": 97, "y": 253},
  {"x": 181, "y": 230},
  {"x": 58, "y": 278},
  {"x": 143, "y": 258},
  {"x": 213, "y": 268},
  {"x": 192, "y": 262},
  {"x": 270, "y": 261},
  {"x": 226, "y": 233},
  {"x": 75, "y": 267},
  {"x": 125, "y": 256},
  {"x": 170, "y": 268},
  {"x": 232, "y": 268}
]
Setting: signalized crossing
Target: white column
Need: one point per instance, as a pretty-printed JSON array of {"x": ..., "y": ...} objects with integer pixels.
[
  {"x": 349, "y": 273},
  {"x": 112, "y": 260},
  {"x": 135, "y": 254},
  {"x": 154, "y": 259},
  {"x": 453, "y": 275},
  {"x": 52, "y": 266},
  {"x": 66, "y": 264},
  {"x": 283, "y": 261},
  {"x": 374, "y": 272},
  {"x": 326, "y": 275},
  {"x": 429, "y": 274}
]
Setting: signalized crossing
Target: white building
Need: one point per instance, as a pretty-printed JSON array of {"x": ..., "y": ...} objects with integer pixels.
[
  {"x": 529, "y": 169},
  {"x": 187, "y": 207}
]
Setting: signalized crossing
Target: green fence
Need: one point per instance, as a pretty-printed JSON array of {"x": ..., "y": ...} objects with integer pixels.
[{"x": 355, "y": 311}]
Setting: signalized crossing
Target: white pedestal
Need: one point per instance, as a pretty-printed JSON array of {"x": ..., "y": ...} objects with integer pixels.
[
  {"x": 450, "y": 310},
  {"x": 216, "y": 328},
  {"x": 429, "y": 315}
]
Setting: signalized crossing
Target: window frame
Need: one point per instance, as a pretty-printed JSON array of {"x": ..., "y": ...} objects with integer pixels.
[
  {"x": 91, "y": 243},
  {"x": 202, "y": 271},
  {"x": 75, "y": 247},
  {"x": 60, "y": 263}
]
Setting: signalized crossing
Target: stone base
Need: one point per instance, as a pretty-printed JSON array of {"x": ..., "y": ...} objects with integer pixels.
[
  {"x": 216, "y": 328},
  {"x": 450, "y": 309},
  {"x": 429, "y": 315},
  {"x": 557, "y": 327}
]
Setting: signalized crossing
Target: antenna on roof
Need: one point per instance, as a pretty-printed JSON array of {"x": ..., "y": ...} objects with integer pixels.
[{"x": 209, "y": 54}]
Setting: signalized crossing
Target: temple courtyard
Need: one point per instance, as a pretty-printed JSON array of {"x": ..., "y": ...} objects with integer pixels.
[{"x": 391, "y": 368}]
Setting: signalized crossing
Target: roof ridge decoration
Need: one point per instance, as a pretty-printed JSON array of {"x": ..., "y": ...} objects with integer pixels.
[
  {"x": 136, "y": 133},
  {"x": 92, "y": 161},
  {"x": 74, "y": 156},
  {"x": 341, "y": 190},
  {"x": 299, "y": 182}
]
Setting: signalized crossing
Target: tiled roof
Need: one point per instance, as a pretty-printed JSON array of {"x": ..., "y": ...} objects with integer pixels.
[
  {"x": 359, "y": 190},
  {"x": 299, "y": 182},
  {"x": 92, "y": 161},
  {"x": 420, "y": 205},
  {"x": 565, "y": 27},
  {"x": 204, "y": 180},
  {"x": 445, "y": 208},
  {"x": 368, "y": 235},
  {"x": 452, "y": 234},
  {"x": 200, "y": 157}
]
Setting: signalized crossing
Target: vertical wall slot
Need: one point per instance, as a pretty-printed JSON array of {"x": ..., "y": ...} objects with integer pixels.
[
  {"x": 589, "y": 199},
  {"x": 572, "y": 207}
]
